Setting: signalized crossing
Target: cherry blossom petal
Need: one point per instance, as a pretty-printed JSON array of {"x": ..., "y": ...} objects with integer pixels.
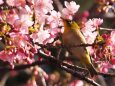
[
  {"x": 43, "y": 6},
  {"x": 16, "y": 2},
  {"x": 70, "y": 10},
  {"x": 40, "y": 37}
]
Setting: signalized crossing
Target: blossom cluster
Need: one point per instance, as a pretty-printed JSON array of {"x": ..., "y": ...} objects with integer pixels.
[
  {"x": 30, "y": 22},
  {"x": 102, "y": 55},
  {"x": 33, "y": 22}
]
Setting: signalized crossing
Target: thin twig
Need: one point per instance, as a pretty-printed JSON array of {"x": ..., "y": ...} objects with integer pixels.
[
  {"x": 42, "y": 77},
  {"x": 58, "y": 54},
  {"x": 74, "y": 73},
  {"x": 113, "y": 9},
  {"x": 107, "y": 29},
  {"x": 107, "y": 74},
  {"x": 59, "y": 5},
  {"x": 85, "y": 45},
  {"x": 51, "y": 58},
  {"x": 63, "y": 46}
]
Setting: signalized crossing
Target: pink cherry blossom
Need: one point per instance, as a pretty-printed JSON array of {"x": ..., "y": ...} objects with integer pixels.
[
  {"x": 94, "y": 23},
  {"x": 54, "y": 19},
  {"x": 4, "y": 55},
  {"x": 40, "y": 18},
  {"x": 20, "y": 19},
  {"x": 97, "y": 22},
  {"x": 77, "y": 83},
  {"x": 25, "y": 10},
  {"x": 53, "y": 34},
  {"x": 16, "y": 2},
  {"x": 1, "y": 2},
  {"x": 11, "y": 57},
  {"x": 23, "y": 23},
  {"x": 70, "y": 10},
  {"x": 113, "y": 61},
  {"x": 89, "y": 29},
  {"x": 111, "y": 42},
  {"x": 85, "y": 14},
  {"x": 113, "y": 37},
  {"x": 21, "y": 56},
  {"x": 43, "y": 6},
  {"x": 12, "y": 17},
  {"x": 18, "y": 39},
  {"x": 40, "y": 36},
  {"x": 72, "y": 6},
  {"x": 104, "y": 67},
  {"x": 19, "y": 49},
  {"x": 45, "y": 36}
]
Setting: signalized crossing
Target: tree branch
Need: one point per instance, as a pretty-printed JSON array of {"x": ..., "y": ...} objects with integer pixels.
[
  {"x": 106, "y": 74},
  {"x": 74, "y": 70},
  {"x": 59, "y": 64},
  {"x": 107, "y": 29},
  {"x": 74, "y": 73},
  {"x": 63, "y": 46},
  {"x": 21, "y": 67}
]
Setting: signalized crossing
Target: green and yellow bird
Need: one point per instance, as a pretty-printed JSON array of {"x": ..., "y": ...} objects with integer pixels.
[{"x": 73, "y": 36}]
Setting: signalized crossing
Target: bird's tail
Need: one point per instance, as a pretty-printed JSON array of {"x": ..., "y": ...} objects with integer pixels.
[{"x": 91, "y": 69}]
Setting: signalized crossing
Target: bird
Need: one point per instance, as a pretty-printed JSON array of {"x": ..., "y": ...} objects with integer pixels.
[{"x": 73, "y": 36}]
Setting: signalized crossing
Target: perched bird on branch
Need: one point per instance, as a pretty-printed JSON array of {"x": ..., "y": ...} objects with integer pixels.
[{"x": 73, "y": 36}]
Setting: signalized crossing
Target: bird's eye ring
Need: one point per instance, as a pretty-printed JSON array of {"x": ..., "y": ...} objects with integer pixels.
[{"x": 70, "y": 22}]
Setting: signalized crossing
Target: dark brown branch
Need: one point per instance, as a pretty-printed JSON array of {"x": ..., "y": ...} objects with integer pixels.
[
  {"x": 106, "y": 74},
  {"x": 51, "y": 58},
  {"x": 63, "y": 46},
  {"x": 59, "y": 5},
  {"x": 21, "y": 67},
  {"x": 74, "y": 73},
  {"x": 85, "y": 45}
]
